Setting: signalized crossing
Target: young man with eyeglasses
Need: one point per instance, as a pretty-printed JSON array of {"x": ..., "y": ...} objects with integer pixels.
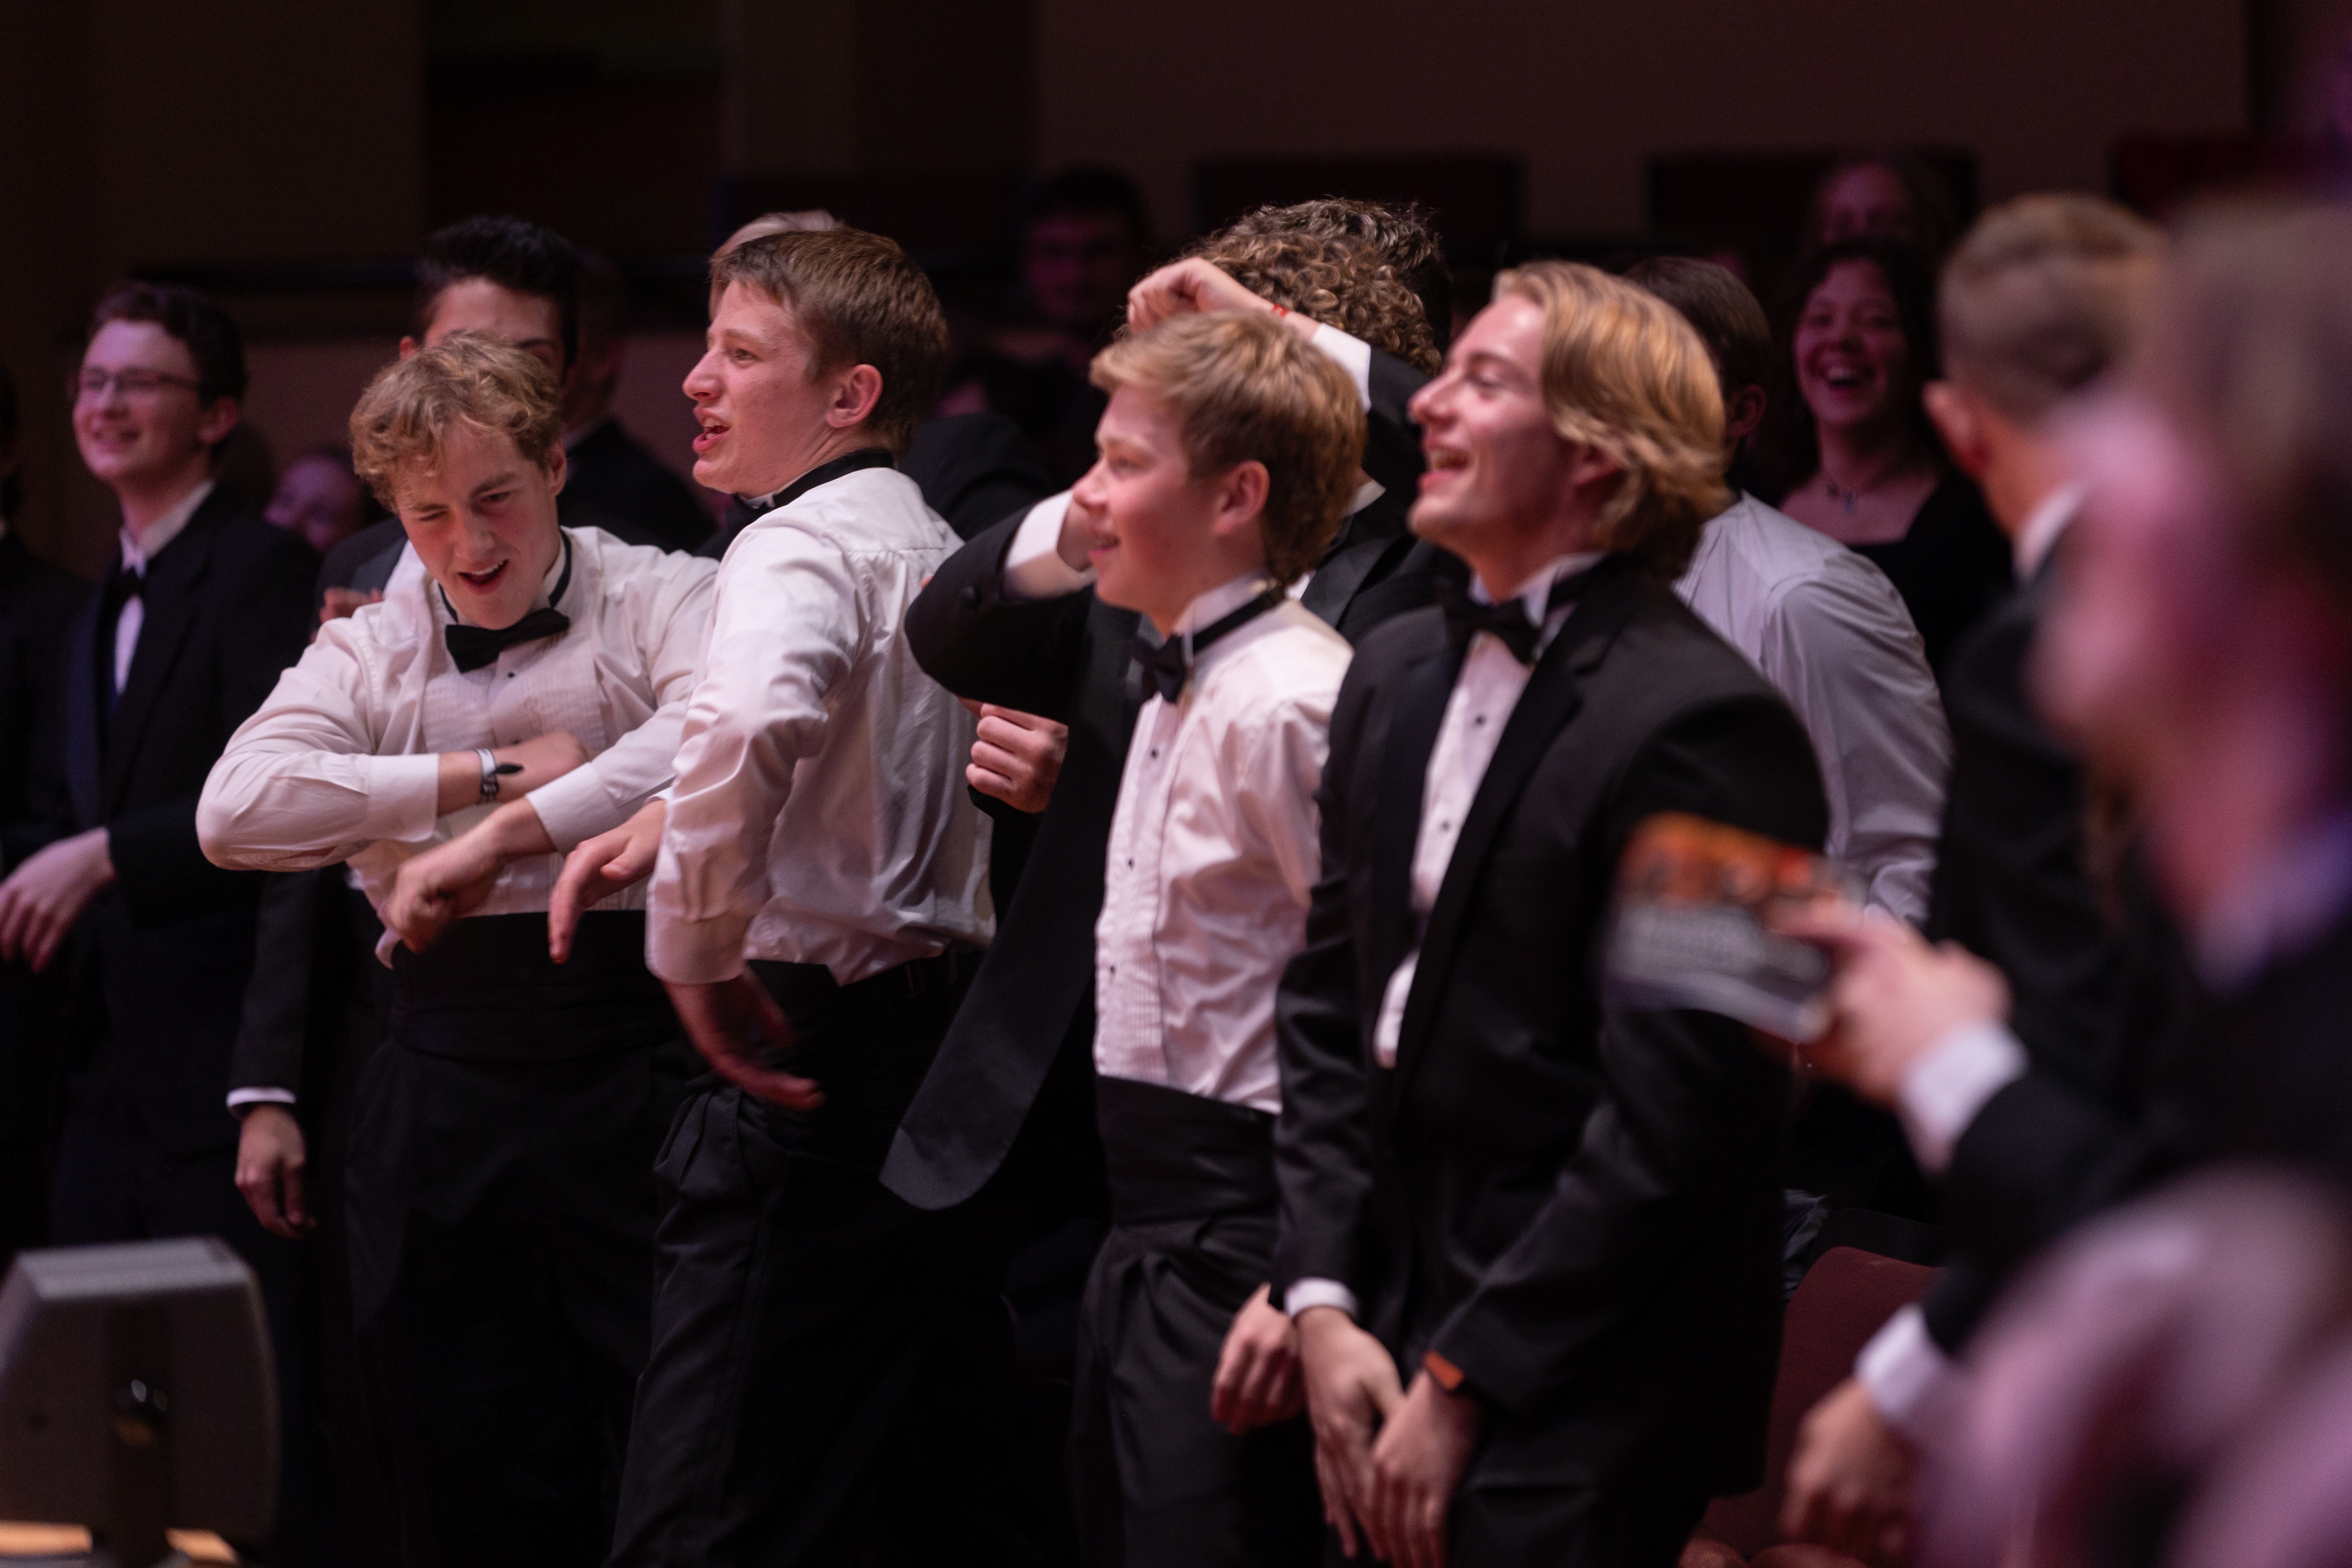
[{"x": 200, "y": 608}]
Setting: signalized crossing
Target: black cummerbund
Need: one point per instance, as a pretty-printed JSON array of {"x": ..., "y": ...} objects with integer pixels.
[
  {"x": 488, "y": 992},
  {"x": 1174, "y": 1155}
]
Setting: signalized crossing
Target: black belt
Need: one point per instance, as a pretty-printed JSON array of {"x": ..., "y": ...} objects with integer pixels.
[
  {"x": 487, "y": 991},
  {"x": 790, "y": 982},
  {"x": 1174, "y": 1155}
]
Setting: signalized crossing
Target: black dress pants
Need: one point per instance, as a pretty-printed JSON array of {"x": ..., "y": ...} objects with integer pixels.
[
  {"x": 830, "y": 1381},
  {"x": 500, "y": 1202},
  {"x": 1155, "y": 1482}
]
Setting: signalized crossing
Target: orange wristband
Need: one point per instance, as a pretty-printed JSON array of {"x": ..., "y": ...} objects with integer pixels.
[
  {"x": 1281, "y": 310},
  {"x": 1443, "y": 1373}
]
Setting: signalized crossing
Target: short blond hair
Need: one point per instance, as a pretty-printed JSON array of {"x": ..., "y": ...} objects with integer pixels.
[
  {"x": 2043, "y": 296},
  {"x": 1248, "y": 389},
  {"x": 1625, "y": 375},
  {"x": 467, "y": 378}
]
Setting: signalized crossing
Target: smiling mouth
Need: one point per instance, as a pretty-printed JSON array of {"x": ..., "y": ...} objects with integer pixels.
[
  {"x": 482, "y": 582},
  {"x": 712, "y": 429}
]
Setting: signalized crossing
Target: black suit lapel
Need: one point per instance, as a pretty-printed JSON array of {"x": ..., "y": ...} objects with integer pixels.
[
  {"x": 1343, "y": 571},
  {"x": 82, "y": 700},
  {"x": 1554, "y": 696},
  {"x": 170, "y": 593}
]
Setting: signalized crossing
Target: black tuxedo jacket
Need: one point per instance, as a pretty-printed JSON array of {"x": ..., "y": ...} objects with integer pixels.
[
  {"x": 161, "y": 960},
  {"x": 1032, "y": 1004},
  {"x": 1578, "y": 1207},
  {"x": 610, "y": 472},
  {"x": 2012, "y": 883}
]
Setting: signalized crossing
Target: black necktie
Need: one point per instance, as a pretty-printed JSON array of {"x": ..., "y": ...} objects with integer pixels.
[
  {"x": 474, "y": 646},
  {"x": 1164, "y": 664},
  {"x": 1465, "y": 617}
]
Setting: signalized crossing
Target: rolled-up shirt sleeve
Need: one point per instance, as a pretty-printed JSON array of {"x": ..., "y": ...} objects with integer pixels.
[
  {"x": 784, "y": 630},
  {"x": 668, "y": 627},
  {"x": 296, "y": 785}
]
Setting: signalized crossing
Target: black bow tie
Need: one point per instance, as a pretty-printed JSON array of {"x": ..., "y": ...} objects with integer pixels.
[
  {"x": 1465, "y": 617},
  {"x": 1164, "y": 664},
  {"x": 474, "y": 646}
]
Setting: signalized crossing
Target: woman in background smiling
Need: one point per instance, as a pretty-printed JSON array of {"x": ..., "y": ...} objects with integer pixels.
[{"x": 1848, "y": 437}]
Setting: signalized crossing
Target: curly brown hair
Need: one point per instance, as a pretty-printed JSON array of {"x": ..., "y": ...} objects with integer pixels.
[
  {"x": 467, "y": 378},
  {"x": 1340, "y": 280},
  {"x": 1404, "y": 232}
]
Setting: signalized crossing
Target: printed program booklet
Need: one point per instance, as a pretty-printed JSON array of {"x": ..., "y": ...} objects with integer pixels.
[{"x": 1694, "y": 898}]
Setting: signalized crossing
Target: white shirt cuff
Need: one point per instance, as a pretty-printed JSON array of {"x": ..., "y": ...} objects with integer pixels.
[
  {"x": 1352, "y": 354},
  {"x": 1909, "y": 1379},
  {"x": 403, "y": 797},
  {"x": 238, "y": 1098},
  {"x": 1388, "y": 1029},
  {"x": 1945, "y": 1088},
  {"x": 1033, "y": 567},
  {"x": 574, "y": 807},
  {"x": 1306, "y": 1293}
]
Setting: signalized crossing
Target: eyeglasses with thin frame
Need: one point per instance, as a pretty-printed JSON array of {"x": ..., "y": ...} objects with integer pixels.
[{"x": 136, "y": 381}]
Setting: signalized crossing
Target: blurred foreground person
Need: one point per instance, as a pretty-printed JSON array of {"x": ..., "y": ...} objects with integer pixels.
[
  {"x": 831, "y": 1368},
  {"x": 1532, "y": 1243},
  {"x": 201, "y": 607},
  {"x": 2043, "y": 297},
  {"x": 524, "y": 693},
  {"x": 2130, "y": 1368},
  {"x": 2199, "y": 651}
]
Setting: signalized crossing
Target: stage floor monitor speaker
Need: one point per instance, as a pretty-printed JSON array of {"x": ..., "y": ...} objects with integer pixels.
[{"x": 137, "y": 1394}]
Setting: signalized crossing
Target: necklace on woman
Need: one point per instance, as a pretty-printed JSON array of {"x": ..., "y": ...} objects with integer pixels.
[{"x": 1846, "y": 496}]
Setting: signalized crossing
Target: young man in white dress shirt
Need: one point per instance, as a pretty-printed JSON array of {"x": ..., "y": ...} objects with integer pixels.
[
  {"x": 1227, "y": 455},
  {"x": 828, "y": 1361},
  {"x": 450, "y": 743}
]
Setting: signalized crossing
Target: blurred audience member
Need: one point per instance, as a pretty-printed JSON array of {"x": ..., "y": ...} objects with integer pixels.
[
  {"x": 37, "y": 602},
  {"x": 610, "y": 471},
  {"x": 1847, "y": 436},
  {"x": 2197, "y": 649},
  {"x": 245, "y": 469},
  {"x": 2042, "y": 298},
  {"x": 2128, "y": 1367},
  {"x": 1825, "y": 626},
  {"x": 1893, "y": 196},
  {"x": 202, "y": 607},
  {"x": 1086, "y": 236},
  {"x": 319, "y": 501}
]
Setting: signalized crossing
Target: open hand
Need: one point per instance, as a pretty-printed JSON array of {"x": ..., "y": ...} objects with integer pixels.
[
  {"x": 1850, "y": 1478},
  {"x": 1351, "y": 1387},
  {"x": 1417, "y": 1462},
  {"x": 1257, "y": 1381},
  {"x": 599, "y": 868},
  {"x": 47, "y": 894},
  {"x": 729, "y": 1022}
]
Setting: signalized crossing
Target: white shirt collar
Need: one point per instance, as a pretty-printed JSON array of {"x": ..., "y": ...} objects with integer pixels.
[
  {"x": 1536, "y": 589},
  {"x": 2279, "y": 905},
  {"x": 2038, "y": 536},
  {"x": 1207, "y": 609},
  {"x": 141, "y": 548}
]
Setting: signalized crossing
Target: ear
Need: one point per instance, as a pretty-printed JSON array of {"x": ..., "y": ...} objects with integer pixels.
[
  {"x": 1588, "y": 466},
  {"x": 1742, "y": 412},
  {"x": 558, "y": 468},
  {"x": 855, "y": 393},
  {"x": 408, "y": 347},
  {"x": 217, "y": 420},
  {"x": 1960, "y": 421},
  {"x": 1240, "y": 498}
]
